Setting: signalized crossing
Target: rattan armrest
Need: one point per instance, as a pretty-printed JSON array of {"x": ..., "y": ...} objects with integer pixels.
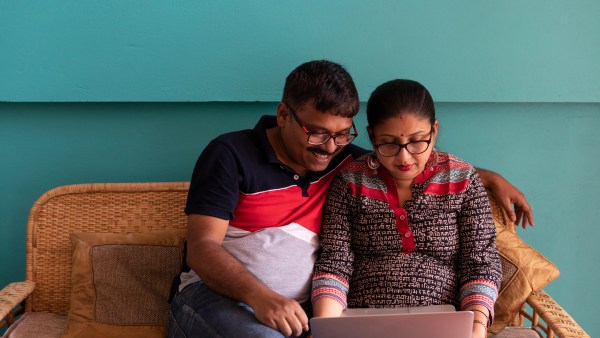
[
  {"x": 11, "y": 296},
  {"x": 556, "y": 318}
]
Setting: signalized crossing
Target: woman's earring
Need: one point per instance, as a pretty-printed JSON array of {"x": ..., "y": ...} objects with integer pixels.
[
  {"x": 373, "y": 162},
  {"x": 433, "y": 159}
]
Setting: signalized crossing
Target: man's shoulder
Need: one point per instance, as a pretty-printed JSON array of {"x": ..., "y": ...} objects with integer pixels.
[
  {"x": 242, "y": 143},
  {"x": 235, "y": 137},
  {"x": 247, "y": 139}
]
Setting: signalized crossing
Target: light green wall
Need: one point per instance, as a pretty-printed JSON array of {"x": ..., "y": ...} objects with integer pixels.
[
  {"x": 537, "y": 59},
  {"x": 548, "y": 150},
  {"x": 151, "y": 50}
]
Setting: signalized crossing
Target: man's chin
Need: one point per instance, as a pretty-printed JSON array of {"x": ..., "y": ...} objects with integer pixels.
[
  {"x": 317, "y": 161},
  {"x": 318, "y": 166}
]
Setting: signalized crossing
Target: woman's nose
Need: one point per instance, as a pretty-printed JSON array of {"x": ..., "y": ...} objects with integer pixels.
[{"x": 404, "y": 154}]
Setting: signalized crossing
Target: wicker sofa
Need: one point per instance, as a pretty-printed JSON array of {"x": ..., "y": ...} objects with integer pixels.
[{"x": 59, "y": 221}]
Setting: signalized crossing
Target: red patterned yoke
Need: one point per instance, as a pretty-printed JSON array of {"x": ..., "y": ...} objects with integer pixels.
[{"x": 439, "y": 248}]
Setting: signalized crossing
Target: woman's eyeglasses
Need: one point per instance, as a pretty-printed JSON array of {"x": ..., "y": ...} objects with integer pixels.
[{"x": 413, "y": 147}]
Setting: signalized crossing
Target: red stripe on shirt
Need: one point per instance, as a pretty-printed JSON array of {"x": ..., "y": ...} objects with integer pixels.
[{"x": 281, "y": 207}]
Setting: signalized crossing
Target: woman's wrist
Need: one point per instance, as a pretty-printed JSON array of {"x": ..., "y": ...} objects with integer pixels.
[
  {"x": 479, "y": 329},
  {"x": 485, "y": 314},
  {"x": 479, "y": 322},
  {"x": 480, "y": 313}
]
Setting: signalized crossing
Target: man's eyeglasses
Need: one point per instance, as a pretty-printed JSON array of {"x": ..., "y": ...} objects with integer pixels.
[
  {"x": 413, "y": 147},
  {"x": 321, "y": 138}
]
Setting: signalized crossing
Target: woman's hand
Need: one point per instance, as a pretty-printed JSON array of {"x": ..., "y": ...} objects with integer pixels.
[
  {"x": 480, "y": 320},
  {"x": 327, "y": 307},
  {"x": 479, "y": 331},
  {"x": 508, "y": 196}
]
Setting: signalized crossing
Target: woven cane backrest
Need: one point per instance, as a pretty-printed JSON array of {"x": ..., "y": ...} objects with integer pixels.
[
  {"x": 100, "y": 207},
  {"x": 500, "y": 214},
  {"x": 113, "y": 207}
]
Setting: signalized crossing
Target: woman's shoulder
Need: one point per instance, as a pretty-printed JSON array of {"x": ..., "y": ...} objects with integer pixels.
[
  {"x": 449, "y": 162},
  {"x": 362, "y": 175},
  {"x": 360, "y": 165},
  {"x": 448, "y": 174},
  {"x": 364, "y": 167}
]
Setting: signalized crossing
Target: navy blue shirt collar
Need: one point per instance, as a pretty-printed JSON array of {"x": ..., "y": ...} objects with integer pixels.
[{"x": 260, "y": 130}]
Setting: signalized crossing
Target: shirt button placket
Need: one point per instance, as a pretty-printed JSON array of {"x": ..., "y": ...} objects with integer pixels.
[{"x": 404, "y": 230}]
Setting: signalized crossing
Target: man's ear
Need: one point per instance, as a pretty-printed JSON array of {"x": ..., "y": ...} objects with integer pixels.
[{"x": 282, "y": 114}]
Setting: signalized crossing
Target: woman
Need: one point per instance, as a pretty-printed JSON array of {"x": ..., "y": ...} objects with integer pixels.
[{"x": 407, "y": 225}]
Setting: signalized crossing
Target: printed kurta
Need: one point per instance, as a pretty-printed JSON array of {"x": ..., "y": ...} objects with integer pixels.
[{"x": 438, "y": 248}]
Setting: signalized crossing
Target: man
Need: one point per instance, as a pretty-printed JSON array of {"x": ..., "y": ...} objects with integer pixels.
[{"x": 254, "y": 211}]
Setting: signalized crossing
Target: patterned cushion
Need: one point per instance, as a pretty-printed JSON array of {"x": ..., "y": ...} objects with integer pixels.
[
  {"x": 524, "y": 270},
  {"x": 120, "y": 283}
]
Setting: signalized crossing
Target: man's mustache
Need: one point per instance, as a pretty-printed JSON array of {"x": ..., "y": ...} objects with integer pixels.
[{"x": 321, "y": 151}]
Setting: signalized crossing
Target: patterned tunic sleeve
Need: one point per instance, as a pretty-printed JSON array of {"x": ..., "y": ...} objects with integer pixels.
[
  {"x": 479, "y": 266},
  {"x": 334, "y": 266}
]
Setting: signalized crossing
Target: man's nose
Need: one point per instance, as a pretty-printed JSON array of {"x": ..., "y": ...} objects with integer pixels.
[{"x": 330, "y": 145}]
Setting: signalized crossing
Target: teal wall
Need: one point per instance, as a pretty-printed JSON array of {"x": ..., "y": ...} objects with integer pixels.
[
  {"x": 547, "y": 150},
  {"x": 466, "y": 51},
  {"x": 111, "y": 91}
]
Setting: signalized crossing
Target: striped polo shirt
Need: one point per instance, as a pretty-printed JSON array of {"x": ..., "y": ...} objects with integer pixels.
[{"x": 274, "y": 214}]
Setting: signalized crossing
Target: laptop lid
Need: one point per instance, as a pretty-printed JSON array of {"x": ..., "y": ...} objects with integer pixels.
[{"x": 443, "y": 322}]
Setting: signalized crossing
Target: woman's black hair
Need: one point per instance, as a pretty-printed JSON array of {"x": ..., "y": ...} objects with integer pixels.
[{"x": 399, "y": 97}]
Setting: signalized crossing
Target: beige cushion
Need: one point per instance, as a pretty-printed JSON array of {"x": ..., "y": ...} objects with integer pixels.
[
  {"x": 524, "y": 270},
  {"x": 38, "y": 325},
  {"x": 120, "y": 283}
]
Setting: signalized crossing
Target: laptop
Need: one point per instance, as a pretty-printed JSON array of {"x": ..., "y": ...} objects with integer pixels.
[{"x": 438, "y": 321}]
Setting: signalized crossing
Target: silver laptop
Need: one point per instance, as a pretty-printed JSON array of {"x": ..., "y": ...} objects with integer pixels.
[{"x": 438, "y": 321}]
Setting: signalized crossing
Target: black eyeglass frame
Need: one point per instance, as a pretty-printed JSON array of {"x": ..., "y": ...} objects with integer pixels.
[
  {"x": 405, "y": 146},
  {"x": 350, "y": 136}
]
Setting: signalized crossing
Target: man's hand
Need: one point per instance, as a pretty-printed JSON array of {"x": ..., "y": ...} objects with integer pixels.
[
  {"x": 280, "y": 313},
  {"x": 224, "y": 274},
  {"x": 509, "y": 197}
]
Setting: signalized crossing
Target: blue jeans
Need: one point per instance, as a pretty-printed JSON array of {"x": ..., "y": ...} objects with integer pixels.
[{"x": 197, "y": 311}]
